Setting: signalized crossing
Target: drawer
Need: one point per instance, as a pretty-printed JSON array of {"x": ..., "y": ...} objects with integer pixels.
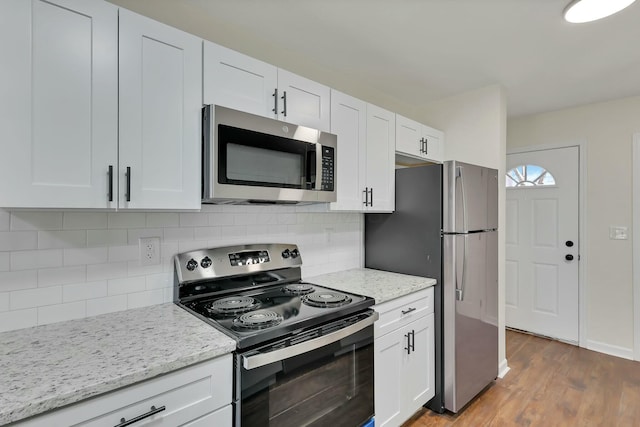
[
  {"x": 187, "y": 394},
  {"x": 401, "y": 311},
  {"x": 223, "y": 417}
]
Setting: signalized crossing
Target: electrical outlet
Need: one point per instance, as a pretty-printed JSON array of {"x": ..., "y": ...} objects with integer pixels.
[{"x": 149, "y": 250}]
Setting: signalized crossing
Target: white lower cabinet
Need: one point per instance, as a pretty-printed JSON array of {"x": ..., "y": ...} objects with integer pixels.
[
  {"x": 404, "y": 357},
  {"x": 199, "y": 395}
]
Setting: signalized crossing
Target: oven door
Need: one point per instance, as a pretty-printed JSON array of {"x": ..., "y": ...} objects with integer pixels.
[{"x": 324, "y": 380}]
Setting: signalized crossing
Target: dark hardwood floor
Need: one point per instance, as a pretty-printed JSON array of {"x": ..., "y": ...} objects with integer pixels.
[{"x": 551, "y": 384}]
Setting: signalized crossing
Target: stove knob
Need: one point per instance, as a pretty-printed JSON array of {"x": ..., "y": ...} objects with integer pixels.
[
  {"x": 286, "y": 253},
  {"x": 192, "y": 264},
  {"x": 206, "y": 262},
  {"x": 295, "y": 253}
]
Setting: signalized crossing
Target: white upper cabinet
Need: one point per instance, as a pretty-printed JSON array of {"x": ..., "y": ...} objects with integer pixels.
[
  {"x": 349, "y": 123},
  {"x": 78, "y": 111},
  {"x": 418, "y": 141},
  {"x": 238, "y": 81},
  {"x": 59, "y": 104},
  {"x": 160, "y": 115},
  {"x": 303, "y": 101},
  {"x": 381, "y": 145},
  {"x": 365, "y": 160}
]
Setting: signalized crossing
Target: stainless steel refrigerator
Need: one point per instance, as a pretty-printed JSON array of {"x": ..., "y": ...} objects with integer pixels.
[{"x": 445, "y": 226}]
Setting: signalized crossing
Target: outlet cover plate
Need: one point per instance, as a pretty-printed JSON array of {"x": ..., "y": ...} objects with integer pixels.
[{"x": 149, "y": 250}]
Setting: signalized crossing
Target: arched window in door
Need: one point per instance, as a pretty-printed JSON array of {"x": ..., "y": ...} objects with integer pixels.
[{"x": 529, "y": 176}]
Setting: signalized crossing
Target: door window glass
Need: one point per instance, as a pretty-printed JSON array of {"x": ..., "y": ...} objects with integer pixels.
[{"x": 525, "y": 176}]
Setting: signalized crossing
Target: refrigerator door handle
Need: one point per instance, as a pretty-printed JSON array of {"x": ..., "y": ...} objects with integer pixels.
[
  {"x": 460, "y": 176},
  {"x": 465, "y": 252}
]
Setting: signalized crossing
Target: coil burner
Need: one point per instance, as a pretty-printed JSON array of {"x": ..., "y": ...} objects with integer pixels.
[
  {"x": 301, "y": 288},
  {"x": 259, "y": 319},
  {"x": 326, "y": 299},
  {"x": 232, "y": 306}
]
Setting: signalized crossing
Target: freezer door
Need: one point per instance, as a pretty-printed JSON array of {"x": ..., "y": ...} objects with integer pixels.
[
  {"x": 470, "y": 196},
  {"x": 470, "y": 278}
]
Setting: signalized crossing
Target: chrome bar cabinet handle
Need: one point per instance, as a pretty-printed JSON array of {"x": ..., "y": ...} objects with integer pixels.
[{"x": 153, "y": 411}]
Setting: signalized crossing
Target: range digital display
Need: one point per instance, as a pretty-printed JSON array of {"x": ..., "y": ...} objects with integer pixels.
[{"x": 249, "y": 258}]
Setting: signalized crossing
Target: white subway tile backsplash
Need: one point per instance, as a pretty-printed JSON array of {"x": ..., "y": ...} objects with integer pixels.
[
  {"x": 61, "y": 239},
  {"x": 126, "y": 219},
  {"x": 85, "y": 256},
  {"x": 179, "y": 233},
  {"x": 163, "y": 219},
  {"x": 62, "y": 265},
  {"x": 18, "y": 240},
  {"x": 159, "y": 281},
  {"x": 127, "y": 285},
  {"x": 135, "y": 234},
  {"x": 5, "y": 220},
  {"x": 84, "y": 220},
  {"x": 106, "y": 237},
  {"x": 221, "y": 219},
  {"x": 5, "y": 261},
  {"x": 194, "y": 219},
  {"x": 110, "y": 304},
  {"x": 146, "y": 298},
  {"x": 36, "y": 220},
  {"x": 135, "y": 269},
  {"x": 18, "y": 319},
  {"x": 84, "y": 291},
  {"x": 35, "y": 297},
  {"x": 61, "y": 275},
  {"x": 124, "y": 253},
  {"x": 4, "y": 301},
  {"x": 18, "y": 280},
  {"x": 62, "y": 312},
  {"x": 26, "y": 260},
  {"x": 112, "y": 270}
]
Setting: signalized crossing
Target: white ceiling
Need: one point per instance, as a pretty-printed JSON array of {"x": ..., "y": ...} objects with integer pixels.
[{"x": 418, "y": 51}]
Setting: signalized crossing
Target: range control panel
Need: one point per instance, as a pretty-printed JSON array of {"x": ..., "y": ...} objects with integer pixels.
[{"x": 235, "y": 260}]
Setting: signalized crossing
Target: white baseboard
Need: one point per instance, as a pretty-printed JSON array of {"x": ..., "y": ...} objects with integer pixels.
[
  {"x": 612, "y": 350},
  {"x": 503, "y": 369}
]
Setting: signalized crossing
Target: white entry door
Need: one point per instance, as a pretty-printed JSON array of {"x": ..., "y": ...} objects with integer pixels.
[{"x": 542, "y": 247}]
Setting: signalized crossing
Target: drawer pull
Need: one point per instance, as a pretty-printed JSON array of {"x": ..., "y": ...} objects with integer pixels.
[
  {"x": 153, "y": 411},
  {"x": 409, "y": 310}
]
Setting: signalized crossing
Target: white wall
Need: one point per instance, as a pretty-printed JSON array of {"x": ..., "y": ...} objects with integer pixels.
[
  {"x": 474, "y": 124},
  {"x": 57, "y": 266},
  {"x": 608, "y": 129}
]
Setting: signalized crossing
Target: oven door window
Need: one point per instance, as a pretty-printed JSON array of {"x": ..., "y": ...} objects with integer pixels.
[
  {"x": 329, "y": 386},
  {"x": 247, "y": 157}
]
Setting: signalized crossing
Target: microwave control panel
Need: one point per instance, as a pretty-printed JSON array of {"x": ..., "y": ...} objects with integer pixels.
[{"x": 328, "y": 168}]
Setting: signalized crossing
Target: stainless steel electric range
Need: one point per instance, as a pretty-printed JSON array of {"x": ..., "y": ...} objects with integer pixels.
[{"x": 304, "y": 353}]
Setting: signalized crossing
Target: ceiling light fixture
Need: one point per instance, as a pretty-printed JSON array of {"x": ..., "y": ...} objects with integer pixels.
[{"x": 579, "y": 11}]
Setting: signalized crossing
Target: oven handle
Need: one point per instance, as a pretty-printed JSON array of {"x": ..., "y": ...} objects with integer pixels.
[{"x": 258, "y": 360}]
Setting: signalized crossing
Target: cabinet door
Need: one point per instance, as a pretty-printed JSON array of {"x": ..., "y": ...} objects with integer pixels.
[
  {"x": 160, "y": 115},
  {"x": 434, "y": 144},
  {"x": 303, "y": 101},
  {"x": 59, "y": 105},
  {"x": 349, "y": 123},
  {"x": 419, "y": 366},
  {"x": 381, "y": 145},
  {"x": 238, "y": 81},
  {"x": 388, "y": 378},
  {"x": 408, "y": 137}
]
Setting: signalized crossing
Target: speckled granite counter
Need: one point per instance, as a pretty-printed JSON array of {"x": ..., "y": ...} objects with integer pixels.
[
  {"x": 50, "y": 366},
  {"x": 380, "y": 285}
]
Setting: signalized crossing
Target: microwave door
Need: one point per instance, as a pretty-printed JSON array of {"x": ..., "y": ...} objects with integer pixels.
[{"x": 313, "y": 165}]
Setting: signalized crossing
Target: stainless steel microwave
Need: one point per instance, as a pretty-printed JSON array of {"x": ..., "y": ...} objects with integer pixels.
[{"x": 253, "y": 159}]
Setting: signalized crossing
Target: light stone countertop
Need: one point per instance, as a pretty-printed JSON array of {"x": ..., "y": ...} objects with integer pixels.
[
  {"x": 46, "y": 367},
  {"x": 379, "y": 285}
]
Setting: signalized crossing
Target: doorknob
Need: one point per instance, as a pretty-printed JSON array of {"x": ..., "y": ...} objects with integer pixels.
[
  {"x": 568, "y": 257},
  {"x": 569, "y": 243}
]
